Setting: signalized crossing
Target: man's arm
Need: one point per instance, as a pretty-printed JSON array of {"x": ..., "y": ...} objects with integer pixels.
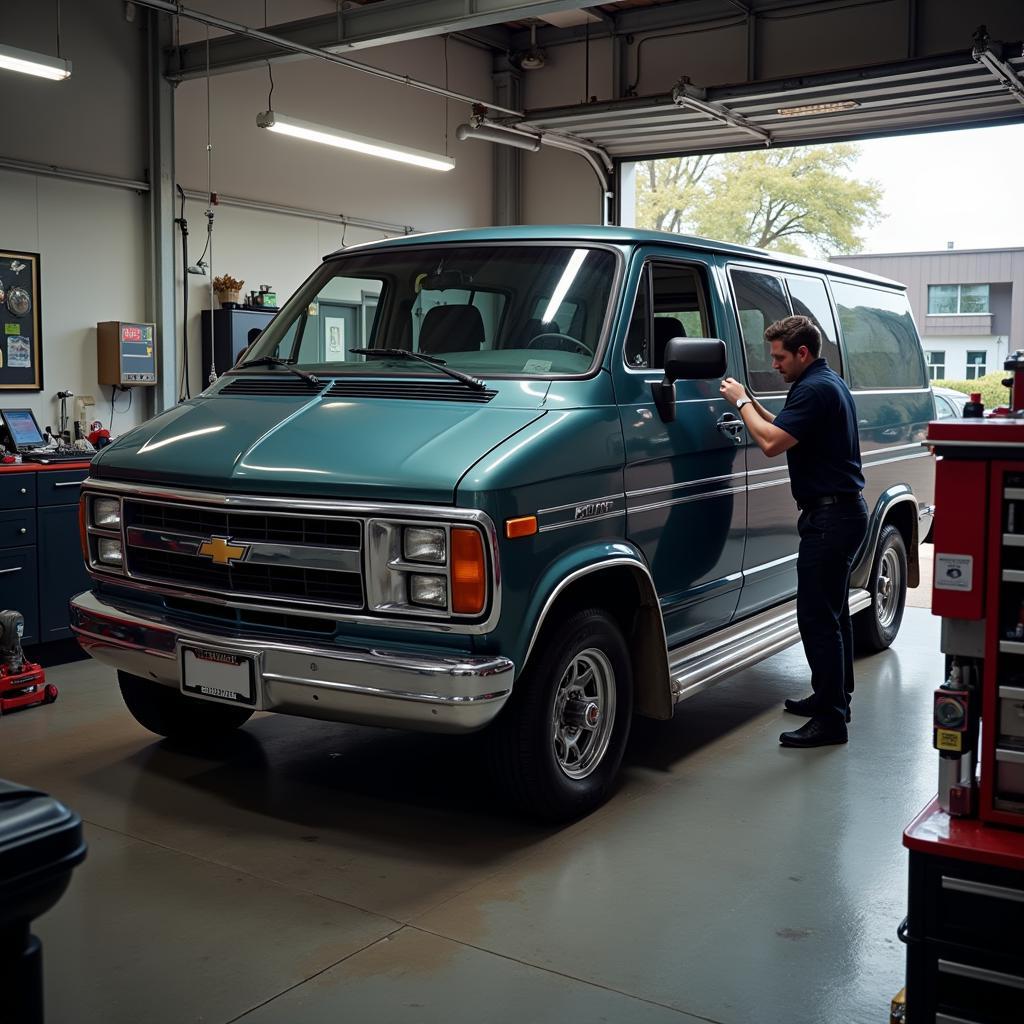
[
  {"x": 772, "y": 440},
  {"x": 761, "y": 410}
]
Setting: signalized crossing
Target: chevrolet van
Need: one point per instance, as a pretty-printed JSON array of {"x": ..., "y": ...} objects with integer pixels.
[{"x": 484, "y": 480}]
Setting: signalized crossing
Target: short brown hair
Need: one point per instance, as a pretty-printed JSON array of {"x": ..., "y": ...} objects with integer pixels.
[{"x": 794, "y": 331}]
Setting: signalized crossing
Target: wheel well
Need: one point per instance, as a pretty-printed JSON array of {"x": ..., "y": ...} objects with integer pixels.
[
  {"x": 903, "y": 515},
  {"x": 628, "y": 596}
]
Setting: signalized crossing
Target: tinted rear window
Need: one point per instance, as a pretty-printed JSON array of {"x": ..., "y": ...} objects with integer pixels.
[{"x": 882, "y": 346}]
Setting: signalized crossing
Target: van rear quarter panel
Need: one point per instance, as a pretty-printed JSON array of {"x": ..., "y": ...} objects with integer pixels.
[{"x": 893, "y": 426}]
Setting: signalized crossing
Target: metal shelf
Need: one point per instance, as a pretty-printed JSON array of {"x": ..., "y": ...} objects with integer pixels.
[
  {"x": 1013, "y": 575},
  {"x": 1013, "y": 540},
  {"x": 1014, "y": 493},
  {"x": 1011, "y": 646}
]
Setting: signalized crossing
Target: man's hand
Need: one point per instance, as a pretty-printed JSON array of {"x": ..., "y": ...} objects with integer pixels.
[{"x": 732, "y": 390}]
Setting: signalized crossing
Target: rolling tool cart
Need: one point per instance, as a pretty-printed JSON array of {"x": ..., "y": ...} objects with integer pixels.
[{"x": 965, "y": 924}]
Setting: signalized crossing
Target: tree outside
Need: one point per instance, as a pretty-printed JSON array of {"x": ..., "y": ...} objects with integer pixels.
[{"x": 801, "y": 200}]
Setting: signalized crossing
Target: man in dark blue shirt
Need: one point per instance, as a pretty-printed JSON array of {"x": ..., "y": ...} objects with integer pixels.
[{"x": 817, "y": 429}]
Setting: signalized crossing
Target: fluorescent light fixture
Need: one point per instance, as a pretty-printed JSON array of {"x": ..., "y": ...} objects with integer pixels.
[
  {"x": 572, "y": 268},
  {"x": 31, "y": 63},
  {"x": 346, "y": 140},
  {"x": 810, "y": 109}
]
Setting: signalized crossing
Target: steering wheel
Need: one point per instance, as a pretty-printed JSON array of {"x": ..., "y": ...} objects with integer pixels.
[{"x": 559, "y": 342}]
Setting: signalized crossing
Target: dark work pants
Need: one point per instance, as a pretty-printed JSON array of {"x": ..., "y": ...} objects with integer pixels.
[{"x": 829, "y": 539}]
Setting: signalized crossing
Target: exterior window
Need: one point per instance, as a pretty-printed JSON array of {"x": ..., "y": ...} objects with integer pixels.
[
  {"x": 882, "y": 346},
  {"x": 976, "y": 365},
  {"x": 936, "y": 365},
  {"x": 963, "y": 299},
  {"x": 761, "y": 299}
]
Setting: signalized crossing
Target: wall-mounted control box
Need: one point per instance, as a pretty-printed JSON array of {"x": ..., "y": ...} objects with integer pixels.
[{"x": 126, "y": 354}]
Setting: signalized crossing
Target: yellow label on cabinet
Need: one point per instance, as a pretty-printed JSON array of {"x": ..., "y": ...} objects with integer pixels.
[{"x": 946, "y": 739}]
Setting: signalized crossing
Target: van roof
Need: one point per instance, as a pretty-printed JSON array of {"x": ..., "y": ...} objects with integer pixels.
[{"x": 616, "y": 236}]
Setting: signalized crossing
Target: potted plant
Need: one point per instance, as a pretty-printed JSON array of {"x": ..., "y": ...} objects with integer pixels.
[{"x": 228, "y": 289}]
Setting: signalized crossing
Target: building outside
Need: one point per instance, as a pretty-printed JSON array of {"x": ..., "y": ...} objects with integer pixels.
[{"x": 968, "y": 304}]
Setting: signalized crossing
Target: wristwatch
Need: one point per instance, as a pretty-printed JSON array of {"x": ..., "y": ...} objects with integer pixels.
[{"x": 742, "y": 402}]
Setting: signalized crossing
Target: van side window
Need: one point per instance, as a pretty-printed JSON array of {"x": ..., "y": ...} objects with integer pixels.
[
  {"x": 680, "y": 307},
  {"x": 882, "y": 346},
  {"x": 636, "y": 349},
  {"x": 810, "y": 298},
  {"x": 760, "y": 300}
]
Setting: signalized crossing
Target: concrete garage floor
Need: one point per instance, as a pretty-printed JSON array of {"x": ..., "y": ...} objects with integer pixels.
[{"x": 321, "y": 873}]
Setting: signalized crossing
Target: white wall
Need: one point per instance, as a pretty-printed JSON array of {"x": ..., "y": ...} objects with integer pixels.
[
  {"x": 560, "y": 187},
  {"x": 956, "y": 349},
  {"x": 91, "y": 239},
  {"x": 281, "y": 250}
]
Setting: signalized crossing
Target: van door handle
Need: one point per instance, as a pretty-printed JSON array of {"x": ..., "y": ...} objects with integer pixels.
[{"x": 731, "y": 426}]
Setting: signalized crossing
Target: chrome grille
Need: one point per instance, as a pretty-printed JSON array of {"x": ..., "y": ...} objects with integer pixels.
[{"x": 285, "y": 559}]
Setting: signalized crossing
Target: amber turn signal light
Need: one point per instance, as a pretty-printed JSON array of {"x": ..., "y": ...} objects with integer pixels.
[
  {"x": 469, "y": 571},
  {"x": 524, "y": 526}
]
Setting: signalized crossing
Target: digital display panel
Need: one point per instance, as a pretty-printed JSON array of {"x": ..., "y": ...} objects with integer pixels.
[
  {"x": 138, "y": 360},
  {"x": 23, "y": 428}
]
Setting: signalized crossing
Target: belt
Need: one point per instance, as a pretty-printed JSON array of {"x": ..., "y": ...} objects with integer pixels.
[{"x": 829, "y": 499}]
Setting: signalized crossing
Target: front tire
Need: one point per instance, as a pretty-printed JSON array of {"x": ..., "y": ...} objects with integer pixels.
[
  {"x": 557, "y": 747},
  {"x": 166, "y": 712},
  {"x": 875, "y": 628}
]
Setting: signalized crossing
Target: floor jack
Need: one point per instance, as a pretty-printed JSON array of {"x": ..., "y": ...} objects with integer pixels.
[{"x": 22, "y": 682}]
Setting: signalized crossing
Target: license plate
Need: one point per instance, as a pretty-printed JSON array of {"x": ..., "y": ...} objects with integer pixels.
[{"x": 218, "y": 675}]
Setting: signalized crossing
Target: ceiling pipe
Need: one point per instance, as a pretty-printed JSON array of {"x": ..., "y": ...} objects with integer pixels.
[{"x": 312, "y": 51}]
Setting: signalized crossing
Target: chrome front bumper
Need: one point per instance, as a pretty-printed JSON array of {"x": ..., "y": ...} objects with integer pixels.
[{"x": 370, "y": 686}]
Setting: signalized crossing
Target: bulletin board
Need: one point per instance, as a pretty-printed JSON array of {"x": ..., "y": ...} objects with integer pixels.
[{"x": 21, "y": 340}]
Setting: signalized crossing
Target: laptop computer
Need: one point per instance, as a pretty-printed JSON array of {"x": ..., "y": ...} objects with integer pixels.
[{"x": 20, "y": 432}]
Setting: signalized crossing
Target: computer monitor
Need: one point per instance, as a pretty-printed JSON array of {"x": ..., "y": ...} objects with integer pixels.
[{"x": 21, "y": 429}]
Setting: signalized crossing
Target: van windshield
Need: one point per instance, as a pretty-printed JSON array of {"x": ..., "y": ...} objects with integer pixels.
[{"x": 488, "y": 310}]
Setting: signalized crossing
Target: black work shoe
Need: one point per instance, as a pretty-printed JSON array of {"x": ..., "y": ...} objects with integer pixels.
[
  {"x": 807, "y": 706},
  {"x": 818, "y": 732}
]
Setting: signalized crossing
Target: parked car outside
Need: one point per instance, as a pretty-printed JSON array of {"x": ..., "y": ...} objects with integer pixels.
[
  {"x": 949, "y": 403},
  {"x": 485, "y": 480}
]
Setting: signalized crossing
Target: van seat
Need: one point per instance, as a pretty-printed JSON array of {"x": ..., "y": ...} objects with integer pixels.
[{"x": 458, "y": 328}]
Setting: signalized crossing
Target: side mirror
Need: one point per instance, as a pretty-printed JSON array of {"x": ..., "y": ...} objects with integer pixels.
[{"x": 687, "y": 359}]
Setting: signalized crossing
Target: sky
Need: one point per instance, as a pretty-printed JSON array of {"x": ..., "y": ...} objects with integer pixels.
[{"x": 962, "y": 187}]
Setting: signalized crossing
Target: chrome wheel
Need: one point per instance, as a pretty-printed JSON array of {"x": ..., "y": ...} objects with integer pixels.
[
  {"x": 583, "y": 713},
  {"x": 889, "y": 588}
]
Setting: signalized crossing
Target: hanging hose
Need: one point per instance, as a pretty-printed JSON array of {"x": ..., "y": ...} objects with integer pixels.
[{"x": 183, "y": 385}]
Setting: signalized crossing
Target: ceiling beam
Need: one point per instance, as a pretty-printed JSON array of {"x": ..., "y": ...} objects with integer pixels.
[{"x": 377, "y": 24}]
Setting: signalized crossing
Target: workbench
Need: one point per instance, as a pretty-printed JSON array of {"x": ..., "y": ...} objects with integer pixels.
[{"x": 41, "y": 565}]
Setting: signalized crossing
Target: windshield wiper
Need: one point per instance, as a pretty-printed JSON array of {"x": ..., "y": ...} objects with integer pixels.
[
  {"x": 403, "y": 353},
  {"x": 274, "y": 361}
]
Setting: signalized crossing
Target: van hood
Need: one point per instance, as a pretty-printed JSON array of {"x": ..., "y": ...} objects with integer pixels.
[{"x": 358, "y": 449}]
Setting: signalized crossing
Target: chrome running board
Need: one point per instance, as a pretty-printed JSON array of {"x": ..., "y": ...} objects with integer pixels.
[{"x": 702, "y": 663}]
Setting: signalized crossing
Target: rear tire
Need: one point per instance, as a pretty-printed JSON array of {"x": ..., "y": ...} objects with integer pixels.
[
  {"x": 166, "y": 712},
  {"x": 557, "y": 747},
  {"x": 875, "y": 628}
]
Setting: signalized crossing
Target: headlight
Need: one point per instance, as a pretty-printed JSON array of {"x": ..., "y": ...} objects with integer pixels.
[
  {"x": 424, "y": 544},
  {"x": 429, "y": 590},
  {"x": 106, "y": 512},
  {"x": 109, "y": 551},
  {"x": 429, "y": 570}
]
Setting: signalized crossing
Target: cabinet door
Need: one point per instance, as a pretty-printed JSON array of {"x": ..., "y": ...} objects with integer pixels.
[
  {"x": 18, "y": 588},
  {"x": 62, "y": 571}
]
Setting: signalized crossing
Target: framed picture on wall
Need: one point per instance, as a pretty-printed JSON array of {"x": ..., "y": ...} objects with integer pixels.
[{"x": 21, "y": 337}]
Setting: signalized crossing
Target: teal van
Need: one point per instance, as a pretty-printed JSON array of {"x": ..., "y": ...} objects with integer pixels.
[{"x": 484, "y": 480}]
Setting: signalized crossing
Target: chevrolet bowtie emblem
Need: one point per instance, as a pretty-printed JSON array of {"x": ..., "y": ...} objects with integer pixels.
[{"x": 222, "y": 551}]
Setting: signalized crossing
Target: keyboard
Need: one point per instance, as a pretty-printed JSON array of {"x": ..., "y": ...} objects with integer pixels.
[{"x": 48, "y": 458}]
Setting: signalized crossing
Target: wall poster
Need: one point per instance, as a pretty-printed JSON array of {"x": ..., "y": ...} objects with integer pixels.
[{"x": 21, "y": 338}]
